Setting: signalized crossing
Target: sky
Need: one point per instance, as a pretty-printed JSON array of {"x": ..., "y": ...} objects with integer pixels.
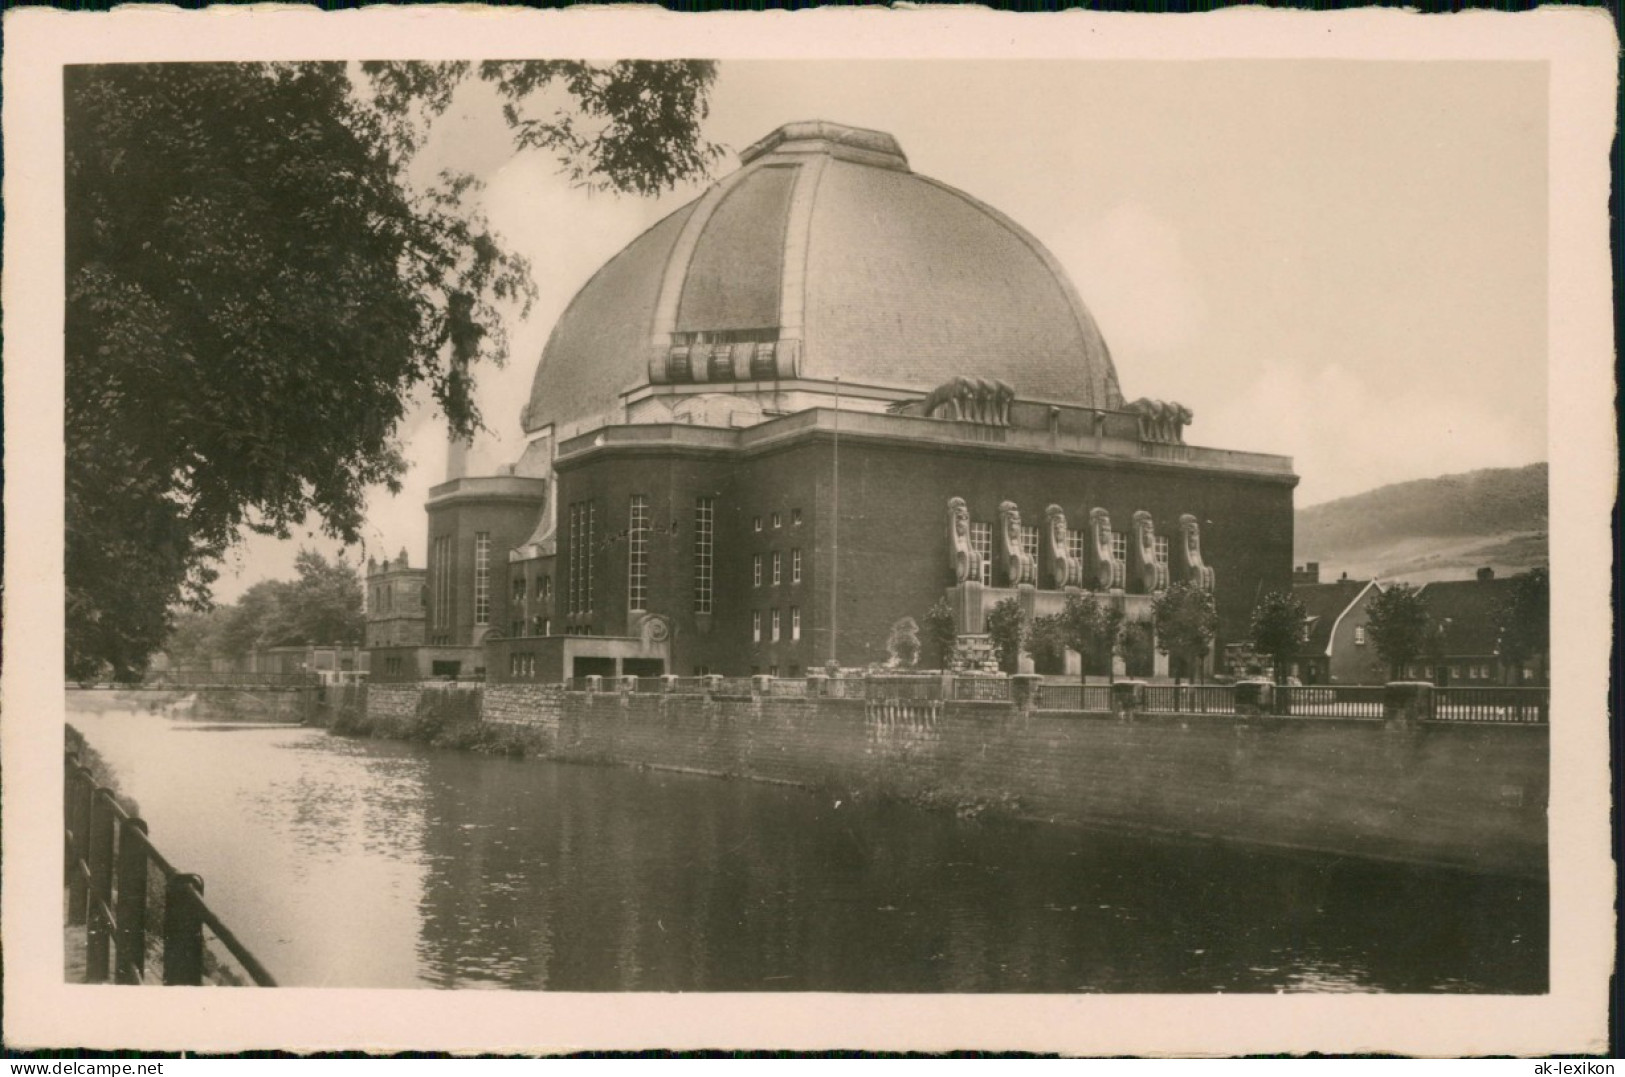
[{"x": 1344, "y": 262}]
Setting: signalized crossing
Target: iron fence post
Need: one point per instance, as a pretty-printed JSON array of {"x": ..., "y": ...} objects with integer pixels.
[
  {"x": 183, "y": 931},
  {"x": 69, "y": 854},
  {"x": 99, "y": 935},
  {"x": 130, "y": 940},
  {"x": 79, "y": 819}
]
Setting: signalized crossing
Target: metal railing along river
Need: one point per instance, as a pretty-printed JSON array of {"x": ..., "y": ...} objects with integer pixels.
[
  {"x": 208, "y": 678},
  {"x": 111, "y": 890},
  {"x": 1503, "y": 705},
  {"x": 1528, "y": 706},
  {"x": 1075, "y": 697}
]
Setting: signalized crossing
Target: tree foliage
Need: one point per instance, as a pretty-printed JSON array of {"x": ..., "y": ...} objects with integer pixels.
[
  {"x": 903, "y": 645},
  {"x": 1185, "y": 621},
  {"x": 1524, "y": 622},
  {"x": 321, "y": 606},
  {"x": 1397, "y": 619},
  {"x": 1087, "y": 625},
  {"x": 254, "y": 290},
  {"x": 1277, "y": 629},
  {"x": 941, "y": 634},
  {"x": 1007, "y": 628}
]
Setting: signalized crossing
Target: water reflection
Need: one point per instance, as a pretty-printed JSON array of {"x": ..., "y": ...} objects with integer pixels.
[{"x": 377, "y": 864}]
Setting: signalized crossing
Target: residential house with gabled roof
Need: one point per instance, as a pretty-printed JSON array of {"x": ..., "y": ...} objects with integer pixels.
[
  {"x": 1466, "y": 646},
  {"x": 1335, "y": 647}
]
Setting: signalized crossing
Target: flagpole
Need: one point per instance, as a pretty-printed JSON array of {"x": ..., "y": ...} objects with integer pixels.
[{"x": 835, "y": 535}]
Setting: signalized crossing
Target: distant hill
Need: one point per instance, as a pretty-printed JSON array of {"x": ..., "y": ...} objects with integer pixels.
[{"x": 1431, "y": 529}]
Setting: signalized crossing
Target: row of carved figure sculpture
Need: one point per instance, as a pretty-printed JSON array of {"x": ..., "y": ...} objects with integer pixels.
[
  {"x": 1161, "y": 421},
  {"x": 1094, "y": 565},
  {"x": 972, "y": 400}
]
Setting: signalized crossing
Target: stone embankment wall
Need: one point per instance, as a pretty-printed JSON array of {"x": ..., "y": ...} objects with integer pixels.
[{"x": 1456, "y": 794}]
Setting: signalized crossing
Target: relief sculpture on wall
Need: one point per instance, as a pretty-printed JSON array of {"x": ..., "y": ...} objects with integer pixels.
[
  {"x": 1153, "y": 577},
  {"x": 965, "y": 562},
  {"x": 1196, "y": 572},
  {"x": 1017, "y": 563},
  {"x": 1064, "y": 570},
  {"x": 1103, "y": 574}
]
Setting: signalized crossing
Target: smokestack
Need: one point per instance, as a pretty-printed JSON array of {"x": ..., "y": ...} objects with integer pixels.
[{"x": 456, "y": 457}]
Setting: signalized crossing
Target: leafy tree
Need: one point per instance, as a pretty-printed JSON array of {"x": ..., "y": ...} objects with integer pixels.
[
  {"x": 195, "y": 640},
  {"x": 1008, "y": 629},
  {"x": 323, "y": 605},
  {"x": 941, "y": 633},
  {"x": 1278, "y": 629},
  {"x": 1092, "y": 628},
  {"x": 904, "y": 643},
  {"x": 254, "y": 290},
  {"x": 1397, "y": 619},
  {"x": 1185, "y": 620},
  {"x": 1524, "y": 623},
  {"x": 1136, "y": 647},
  {"x": 1046, "y": 637}
]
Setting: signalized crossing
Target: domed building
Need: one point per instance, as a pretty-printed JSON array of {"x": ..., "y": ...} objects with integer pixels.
[{"x": 818, "y": 399}]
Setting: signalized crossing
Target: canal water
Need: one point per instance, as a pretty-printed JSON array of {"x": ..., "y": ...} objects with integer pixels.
[{"x": 361, "y": 863}]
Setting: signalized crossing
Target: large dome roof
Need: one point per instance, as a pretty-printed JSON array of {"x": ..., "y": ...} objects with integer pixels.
[{"x": 824, "y": 256}]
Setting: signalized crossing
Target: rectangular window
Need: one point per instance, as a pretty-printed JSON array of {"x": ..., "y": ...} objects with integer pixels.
[
  {"x": 778, "y": 521},
  {"x": 756, "y": 570},
  {"x": 1359, "y": 635},
  {"x": 1074, "y": 545},
  {"x": 795, "y": 517},
  {"x": 583, "y": 533},
  {"x": 1119, "y": 558},
  {"x": 637, "y": 560},
  {"x": 795, "y": 565},
  {"x": 756, "y": 523},
  {"x": 981, "y": 540},
  {"x": 773, "y": 671},
  {"x": 704, "y": 517},
  {"x": 516, "y": 628},
  {"x": 482, "y": 578},
  {"x": 1161, "y": 543},
  {"x": 442, "y": 581},
  {"x": 775, "y": 626},
  {"x": 1029, "y": 545},
  {"x": 544, "y": 587},
  {"x": 778, "y": 568},
  {"x": 756, "y": 626},
  {"x": 572, "y": 564},
  {"x": 519, "y": 588},
  {"x": 795, "y": 622}
]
